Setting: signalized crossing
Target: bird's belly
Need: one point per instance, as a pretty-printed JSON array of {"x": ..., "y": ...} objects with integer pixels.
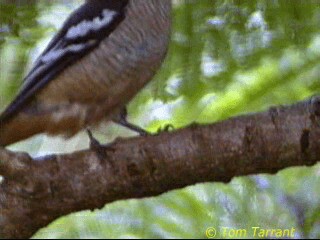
[
  {"x": 99, "y": 86},
  {"x": 105, "y": 80}
]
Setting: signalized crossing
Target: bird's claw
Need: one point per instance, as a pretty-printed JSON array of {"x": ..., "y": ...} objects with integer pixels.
[{"x": 166, "y": 128}]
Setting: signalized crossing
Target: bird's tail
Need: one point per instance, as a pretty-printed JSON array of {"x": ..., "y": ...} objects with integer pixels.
[{"x": 19, "y": 128}]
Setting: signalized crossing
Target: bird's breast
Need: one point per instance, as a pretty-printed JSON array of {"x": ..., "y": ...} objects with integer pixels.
[{"x": 108, "y": 77}]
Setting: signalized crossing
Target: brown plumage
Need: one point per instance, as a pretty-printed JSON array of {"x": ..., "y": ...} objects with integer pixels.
[{"x": 100, "y": 83}]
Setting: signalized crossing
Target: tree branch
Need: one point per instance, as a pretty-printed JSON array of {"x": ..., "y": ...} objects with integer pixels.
[{"x": 35, "y": 192}]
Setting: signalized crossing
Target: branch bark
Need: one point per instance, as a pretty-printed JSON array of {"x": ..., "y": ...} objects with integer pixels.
[{"x": 35, "y": 192}]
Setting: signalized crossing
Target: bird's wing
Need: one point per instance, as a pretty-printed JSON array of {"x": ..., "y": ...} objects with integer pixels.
[{"x": 81, "y": 33}]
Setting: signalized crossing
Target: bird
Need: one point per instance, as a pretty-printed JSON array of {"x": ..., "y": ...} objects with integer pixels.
[{"x": 103, "y": 55}]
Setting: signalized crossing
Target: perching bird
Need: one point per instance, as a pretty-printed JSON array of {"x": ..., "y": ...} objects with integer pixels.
[{"x": 106, "y": 52}]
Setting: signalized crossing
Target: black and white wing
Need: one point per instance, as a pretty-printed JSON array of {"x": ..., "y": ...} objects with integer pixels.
[{"x": 81, "y": 33}]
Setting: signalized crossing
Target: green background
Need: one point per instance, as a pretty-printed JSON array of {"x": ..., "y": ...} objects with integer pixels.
[{"x": 226, "y": 58}]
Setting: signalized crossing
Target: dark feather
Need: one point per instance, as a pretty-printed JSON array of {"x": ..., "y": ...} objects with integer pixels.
[{"x": 43, "y": 72}]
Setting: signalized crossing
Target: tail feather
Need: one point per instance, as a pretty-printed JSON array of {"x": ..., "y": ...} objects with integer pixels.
[
  {"x": 19, "y": 128},
  {"x": 23, "y": 125}
]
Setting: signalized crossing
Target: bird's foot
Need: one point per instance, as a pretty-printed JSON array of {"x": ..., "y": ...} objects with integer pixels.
[
  {"x": 122, "y": 120},
  {"x": 100, "y": 150},
  {"x": 166, "y": 128},
  {"x": 95, "y": 145}
]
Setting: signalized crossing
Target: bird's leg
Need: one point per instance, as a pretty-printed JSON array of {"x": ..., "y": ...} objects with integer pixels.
[
  {"x": 122, "y": 120},
  {"x": 99, "y": 149},
  {"x": 94, "y": 143}
]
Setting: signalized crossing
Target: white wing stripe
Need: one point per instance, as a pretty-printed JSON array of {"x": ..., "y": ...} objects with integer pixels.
[
  {"x": 53, "y": 55},
  {"x": 84, "y": 27}
]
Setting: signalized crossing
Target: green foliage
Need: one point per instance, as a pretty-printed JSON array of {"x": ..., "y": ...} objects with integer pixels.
[
  {"x": 19, "y": 32},
  {"x": 226, "y": 58}
]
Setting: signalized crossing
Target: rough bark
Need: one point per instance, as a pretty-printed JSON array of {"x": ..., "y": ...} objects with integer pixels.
[{"x": 35, "y": 192}]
